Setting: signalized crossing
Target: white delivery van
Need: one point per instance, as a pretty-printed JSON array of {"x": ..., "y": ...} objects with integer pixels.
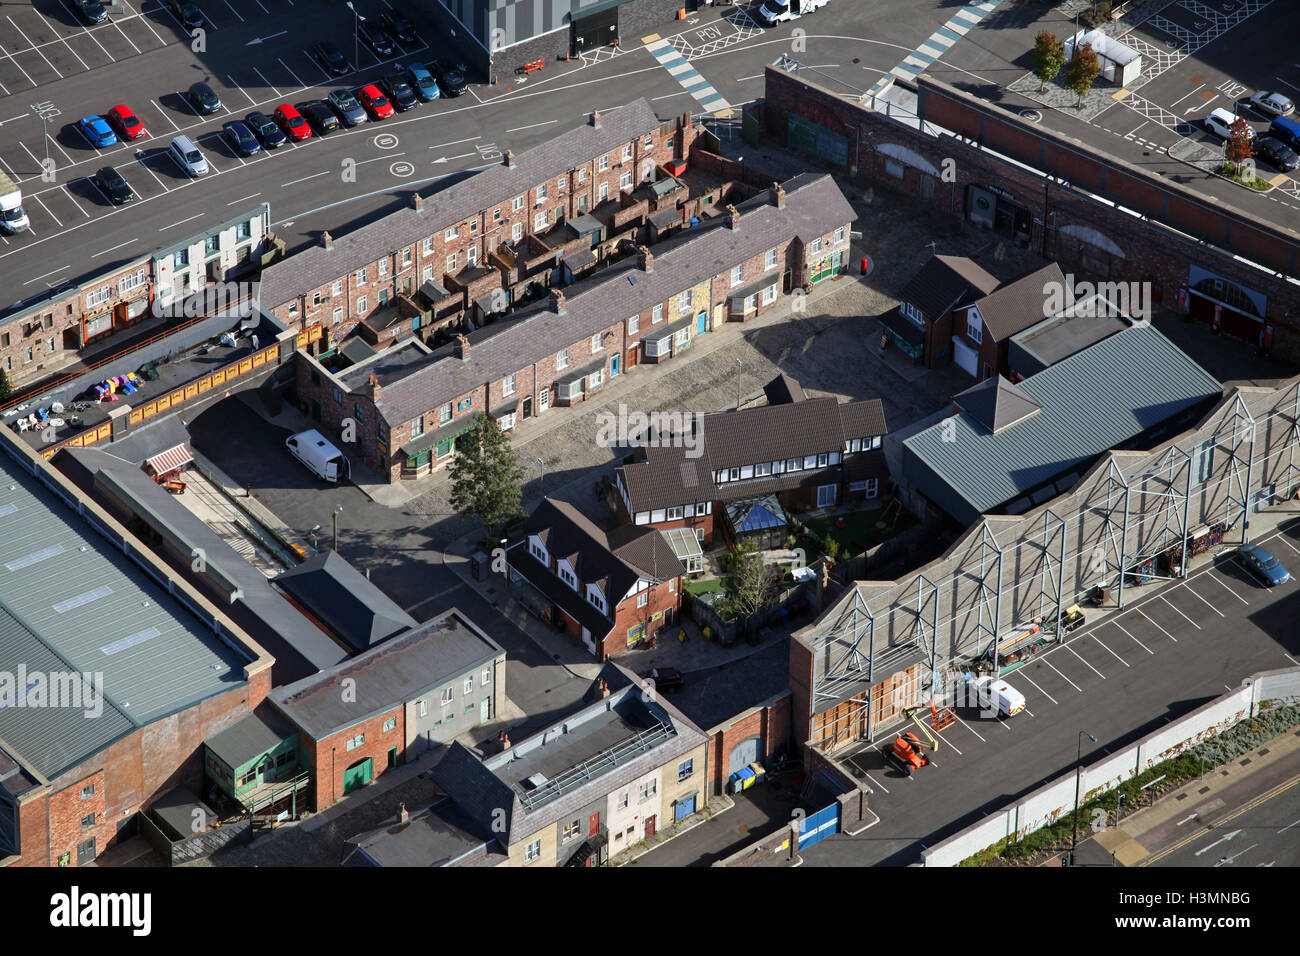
[
  {"x": 316, "y": 452},
  {"x": 12, "y": 217},
  {"x": 998, "y": 696}
]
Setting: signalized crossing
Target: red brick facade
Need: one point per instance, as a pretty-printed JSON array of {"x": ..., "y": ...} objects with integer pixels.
[
  {"x": 770, "y": 723},
  {"x": 329, "y": 757}
]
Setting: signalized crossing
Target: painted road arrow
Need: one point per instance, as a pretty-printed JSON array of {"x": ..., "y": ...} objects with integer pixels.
[
  {"x": 257, "y": 40},
  {"x": 1217, "y": 842}
]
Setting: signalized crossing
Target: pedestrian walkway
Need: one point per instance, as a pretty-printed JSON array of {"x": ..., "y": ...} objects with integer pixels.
[
  {"x": 938, "y": 43},
  {"x": 685, "y": 74}
]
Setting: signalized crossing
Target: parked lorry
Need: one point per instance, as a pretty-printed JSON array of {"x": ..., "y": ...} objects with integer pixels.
[
  {"x": 12, "y": 216},
  {"x": 316, "y": 452}
]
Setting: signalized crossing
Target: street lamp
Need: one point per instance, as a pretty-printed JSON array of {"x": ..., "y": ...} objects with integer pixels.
[
  {"x": 740, "y": 372},
  {"x": 541, "y": 475},
  {"x": 338, "y": 510},
  {"x": 315, "y": 539},
  {"x": 1078, "y": 760},
  {"x": 356, "y": 36}
]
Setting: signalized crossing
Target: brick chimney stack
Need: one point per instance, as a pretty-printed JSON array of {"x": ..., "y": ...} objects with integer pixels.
[
  {"x": 510, "y": 158},
  {"x": 778, "y": 196},
  {"x": 418, "y": 202},
  {"x": 402, "y": 815},
  {"x": 558, "y": 298},
  {"x": 646, "y": 259},
  {"x": 327, "y": 240},
  {"x": 376, "y": 391},
  {"x": 733, "y": 217},
  {"x": 595, "y": 118},
  {"x": 462, "y": 348}
]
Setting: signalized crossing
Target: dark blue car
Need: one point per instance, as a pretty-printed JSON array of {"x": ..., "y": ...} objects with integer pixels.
[
  {"x": 1263, "y": 565},
  {"x": 241, "y": 138}
]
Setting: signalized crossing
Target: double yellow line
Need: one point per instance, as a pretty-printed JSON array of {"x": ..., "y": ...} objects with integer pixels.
[{"x": 1279, "y": 789}]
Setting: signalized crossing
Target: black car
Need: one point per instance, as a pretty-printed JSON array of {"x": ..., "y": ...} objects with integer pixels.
[
  {"x": 375, "y": 38},
  {"x": 397, "y": 87},
  {"x": 398, "y": 26},
  {"x": 188, "y": 13},
  {"x": 1276, "y": 153},
  {"x": 266, "y": 130},
  {"x": 204, "y": 99},
  {"x": 117, "y": 189},
  {"x": 320, "y": 117},
  {"x": 92, "y": 10},
  {"x": 451, "y": 79},
  {"x": 330, "y": 57},
  {"x": 241, "y": 138}
]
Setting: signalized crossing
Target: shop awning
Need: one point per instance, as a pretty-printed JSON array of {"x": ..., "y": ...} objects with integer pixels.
[
  {"x": 173, "y": 459},
  {"x": 504, "y": 409}
]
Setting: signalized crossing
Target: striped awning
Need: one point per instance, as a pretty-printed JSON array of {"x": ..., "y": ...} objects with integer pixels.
[{"x": 170, "y": 460}]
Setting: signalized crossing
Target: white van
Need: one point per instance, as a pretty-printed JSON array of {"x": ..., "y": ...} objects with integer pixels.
[
  {"x": 1220, "y": 122},
  {"x": 188, "y": 157},
  {"x": 316, "y": 452},
  {"x": 998, "y": 696}
]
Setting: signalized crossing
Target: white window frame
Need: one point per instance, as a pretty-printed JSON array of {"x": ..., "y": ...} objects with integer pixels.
[
  {"x": 643, "y": 598},
  {"x": 508, "y": 386},
  {"x": 603, "y": 164},
  {"x": 974, "y": 326},
  {"x": 596, "y": 344},
  {"x": 533, "y": 851},
  {"x": 562, "y": 360},
  {"x": 633, "y": 324},
  {"x": 737, "y": 275},
  {"x": 656, "y": 315}
]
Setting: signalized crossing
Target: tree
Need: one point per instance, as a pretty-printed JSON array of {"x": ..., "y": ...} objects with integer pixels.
[
  {"x": 1049, "y": 57},
  {"x": 1083, "y": 68},
  {"x": 486, "y": 476},
  {"x": 6, "y": 387},
  {"x": 1240, "y": 143},
  {"x": 752, "y": 582}
]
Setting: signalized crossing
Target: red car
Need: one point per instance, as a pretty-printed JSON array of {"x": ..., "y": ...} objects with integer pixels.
[
  {"x": 291, "y": 121},
  {"x": 126, "y": 123},
  {"x": 375, "y": 102}
]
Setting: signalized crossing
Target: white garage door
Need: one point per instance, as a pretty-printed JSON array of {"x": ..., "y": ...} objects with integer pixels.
[
  {"x": 965, "y": 356},
  {"x": 742, "y": 755}
]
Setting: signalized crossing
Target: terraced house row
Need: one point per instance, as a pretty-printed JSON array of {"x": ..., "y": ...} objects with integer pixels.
[{"x": 407, "y": 404}]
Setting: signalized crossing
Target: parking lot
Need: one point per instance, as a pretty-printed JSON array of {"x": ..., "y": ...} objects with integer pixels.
[{"x": 1171, "y": 651}]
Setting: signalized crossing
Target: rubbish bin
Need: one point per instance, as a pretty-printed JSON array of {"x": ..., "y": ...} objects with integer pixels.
[{"x": 478, "y": 566}]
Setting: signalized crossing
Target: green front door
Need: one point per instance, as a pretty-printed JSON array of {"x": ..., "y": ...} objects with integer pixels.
[{"x": 358, "y": 775}]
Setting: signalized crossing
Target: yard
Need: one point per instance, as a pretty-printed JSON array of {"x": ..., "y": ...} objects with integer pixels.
[{"x": 854, "y": 532}]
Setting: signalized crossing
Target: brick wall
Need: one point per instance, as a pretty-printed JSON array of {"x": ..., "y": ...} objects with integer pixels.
[
  {"x": 329, "y": 757},
  {"x": 769, "y": 722},
  {"x": 663, "y": 596}
]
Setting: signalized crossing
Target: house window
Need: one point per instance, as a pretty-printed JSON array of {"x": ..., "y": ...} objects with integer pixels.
[
  {"x": 212, "y": 244},
  {"x": 49, "y": 345},
  {"x": 315, "y": 299},
  {"x": 124, "y": 285},
  {"x": 627, "y": 152},
  {"x": 451, "y": 262},
  {"x": 406, "y": 258},
  {"x": 570, "y": 831},
  {"x": 595, "y": 380},
  {"x": 633, "y": 325},
  {"x": 657, "y": 315},
  {"x": 383, "y": 298},
  {"x": 383, "y": 267},
  {"x": 516, "y": 231},
  {"x": 362, "y": 303},
  {"x": 417, "y": 428},
  {"x": 769, "y": 295},
  {"x": 682, "y": 338},
  {"x": 337, "y": 287},
  {"x": 423, "y": 708},
  {"x": 450, "y": 234},
  {"x": 338, "y": 396},
  {"x": 446, "y": 696},
  {"x": 444, "y": 414},
  {"x": 517, "y": 204},
  {"x": 769, "y": 259},
  {"x": 533, "y": 851},
  {"x": 98, "y": 297},
  {"x": 539, "y": 221},
  {"x": 737, "y": 275},
  {"x": 649, "y": 141},
  {"x": 625, "y": 181},
  {"x": 567, "y": 576},
  {"x": 27, "y": 355},
  {"x": 913, "y": 314},
  {"x": 794, "y": 464},
  {"x": 672, "y": 514},
  {"x": 643, "y": 599},
  {"x": 426, "y": 247},
  {"x": 496, "y": 214},
  {"x": 181, "y": 259},
  {"x": 648, "y": 790},
  {"x": 87, "y": 821},
  {"x": 359, "y": 277},
  {"x": 426, "y": 274},
  {"x": 469, "y": 685},
  {"x": 684, "y": 300},
  {"x": 562, "y": 360},
  {"x": 508, "y": 386},
  {"x": 338, "y": 316},
  {"x": 357, "y": 741},
  {"x": 541, "y": 192},
  {"x": 623, "y": 799},
  {"x": 87, "y": 791},
  {"x": 974, "y": 326},
  {"x": 839, "y": 234},
  {"x": 356, "y": 412},
  {"x": 596, "y": 345},
  {"x": 823, "y": 460},
  {"x": 471, "y": 256},
  {"x": 816, "y": 247},
  {"x": 810, "y": 461},
  {"x": 604, "y": 163},
  {"x": 582, "y": 175},
  {"x": 486, "y": 677},
  {"x": 685, "y": 769},
  {"x": 390, "y": 724},
  {"x": 603, "y": 192}
]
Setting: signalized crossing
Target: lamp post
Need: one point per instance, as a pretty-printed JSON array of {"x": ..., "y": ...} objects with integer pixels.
[
  {"x": 740, "y": 372},
  {"x": 315, "y": 540},
  {"x": 338, "y": 510},
  {"x": 1078, "y": 761},
  {"x": 541, "y": 475},
  {"x": 356, "y": 36}
]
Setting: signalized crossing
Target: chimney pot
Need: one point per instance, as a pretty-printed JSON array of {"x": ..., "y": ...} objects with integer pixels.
[
  {"x": 510, "y": 158},
  {"x": 418, "y": 201},
  {"x": 646, "y": 258},
  {"x": 462, "y": 348},
  {"x": 558, "y": 298},
  {"x": 604, "y": 687},
  {"x": 376, "y": 392},
  {"x": 778, "y": 196},
  {"x": 402, "y": 815},
  {"x": 327, "y": 240}
]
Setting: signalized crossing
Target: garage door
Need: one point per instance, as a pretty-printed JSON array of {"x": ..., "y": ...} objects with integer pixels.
[
  {"x": 743, "y": 754},
  {"x": 358, "y": 775},
  {"x": 965, "y": 356},
  {"x": 685, "y": 807}
]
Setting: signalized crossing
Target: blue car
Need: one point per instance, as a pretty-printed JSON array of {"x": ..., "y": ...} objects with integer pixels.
[
  {"x": 97, "y": 131},
  {"x": 241, "y": 138},
  {"x": 426, "y": 87},
  {"x": 1263, "y": 565}
]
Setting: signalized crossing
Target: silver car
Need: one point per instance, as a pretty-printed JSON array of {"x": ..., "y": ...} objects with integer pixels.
[
  {"x": 1272, "y": 104},
  {"x": 346, "y": 106}
]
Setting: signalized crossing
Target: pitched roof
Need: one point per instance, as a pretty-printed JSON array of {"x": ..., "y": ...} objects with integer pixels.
[
  {"x": 672, "y": 475},
  {"x": 943, "y": 282},
  {"x": 1019, "y": 304},
  {"x": 814, "y": 205},
  {"x": 864, "y": 419},
  {"x": 783, "y": 390},
  {"x": 344, "y": 600},
  {"x": 317, "y": 266},
  {"x": 996, "y": 403},
  {"x": 772, "y": 432}
]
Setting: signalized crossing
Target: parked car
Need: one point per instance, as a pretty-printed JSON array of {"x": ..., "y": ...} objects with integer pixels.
[
  {"x": 375, "y": 103},
  {"x": 1220, "y": 123},
  {"x": 665, "y": 678},
  {"x": 1271, "y": 104},
  {"x": 241, "y": 138},
  {"x": 111, "y": 183},
  {"x": 203, "y": 98},
  {"x": 397, "y": 87},
  {"x": 375, "y": 38},
  {"x": 1276, "y": 153},
  {"x": 772, "y": 12},
  {"x": 188, "y": 13},
  {"x": 1263, "y": 565},
  {"x": 320, "y": 116},
  {"x": 330, "y": 57},
  {"x": 92, "y": 10},
  {"x": 426, "y": 87},
  {"x": 187, "y": 156},
  {"x": 291, "y": 121},
  {"x": 126, "y": 123},
  {"x": 398, "y": 27},
  {"x": 451, "y": 79},
  {"x": 346, "y": 105},
  {"x": 97, "y": 131},
  {"x": 264, "y": 128}
]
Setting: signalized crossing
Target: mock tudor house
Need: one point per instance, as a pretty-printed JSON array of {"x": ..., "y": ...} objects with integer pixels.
[
  {"x": 753, "y": 465},
  {"x": 409, "y": 403},
  {"x": 612, "y": 589},
  {"x": 921, "y": 326}
]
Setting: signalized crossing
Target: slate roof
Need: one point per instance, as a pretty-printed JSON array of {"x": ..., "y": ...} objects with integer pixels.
[
  {"x": 317, "y": 266},
  {"x": 1020, "y": 304},
  {"x": 814, "y": 205},
  {"x": 250, "y": 736},
  {"x": 439, "y": 835},
  {"x": 342, "y": 599},
  {"x": 773, "y": 432},
  {"x": 944, "y": 282},
  {"x": 783, "y": 390},
  {"x": 865, "y": 419},
  {"x": 668, "y": 475},
  {"x": 1093, "y": 401},
  {"x": 557, "y": 592},
  {"x": 996, "y": 403}
]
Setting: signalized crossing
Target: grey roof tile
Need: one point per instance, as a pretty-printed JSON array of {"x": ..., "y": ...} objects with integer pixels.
[
  {"x": 944, "y": 282},
  {"x": 1020, "y": 304}
]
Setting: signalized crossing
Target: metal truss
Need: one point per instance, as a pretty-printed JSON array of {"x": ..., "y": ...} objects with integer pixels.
[
  {"x": 1109, "y": 557},
  {"x": 1240, "y": 447},
  {"x": 988, "y": 601},
  {"x": 1167, "y": 525},
  {"x": 1051, "y": 576}
]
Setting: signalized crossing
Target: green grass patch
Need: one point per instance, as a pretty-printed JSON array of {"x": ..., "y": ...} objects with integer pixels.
[
  {"x": 1244, "y": 175},
  {"x": 704, "y": 585}
]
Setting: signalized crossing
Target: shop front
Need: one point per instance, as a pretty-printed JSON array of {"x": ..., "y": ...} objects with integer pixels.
[
  {"x": 1224, "y": 305},
  {"x": 994, "y": 208}
]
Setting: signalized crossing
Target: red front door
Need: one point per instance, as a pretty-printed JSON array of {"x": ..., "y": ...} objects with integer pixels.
[
  {"x": 593, "y": 827},
  {"x": 632, "y": 356},
  {"x": 649, "y": 827}
]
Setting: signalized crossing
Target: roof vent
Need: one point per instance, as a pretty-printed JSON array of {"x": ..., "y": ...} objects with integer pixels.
[{"x": 535, "y": 781}]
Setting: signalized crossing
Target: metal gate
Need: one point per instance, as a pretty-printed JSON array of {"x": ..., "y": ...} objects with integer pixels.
[
  {"x": 818, "y": 826},
  {"x": 595, "y": 30},
  {"x": 818, "y": 140},
  {"x": 742, "y": 755}
]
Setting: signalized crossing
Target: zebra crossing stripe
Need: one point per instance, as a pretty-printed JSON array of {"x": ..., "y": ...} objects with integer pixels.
[
  {"x": 680, "y": 70},
  {"x": 939, "y": 42}
]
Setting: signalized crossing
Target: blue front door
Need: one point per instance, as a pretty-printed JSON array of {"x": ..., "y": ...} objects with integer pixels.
[
  {"x": 613, "y": 366},
  {"x": 700, "y": 321}
]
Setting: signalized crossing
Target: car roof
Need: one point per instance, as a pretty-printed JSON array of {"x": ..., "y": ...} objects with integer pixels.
[
  {"x": 183, "y": 141},
  {"x": 121, "y": 108},
  {"x": 1226, "y": 116},
  {"x": 288, "y": 109},
  {"x": 371, "y": 90}
]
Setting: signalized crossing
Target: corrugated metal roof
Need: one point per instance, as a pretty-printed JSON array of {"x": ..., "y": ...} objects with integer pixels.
[{"x": 1091, "y": 402}]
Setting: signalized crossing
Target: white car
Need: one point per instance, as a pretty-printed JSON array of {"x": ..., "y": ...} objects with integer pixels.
[
  {"x": 1221, "y": 121},
  {"x": 1271, "y": 104},
  {"x": 772, "y": 12}
]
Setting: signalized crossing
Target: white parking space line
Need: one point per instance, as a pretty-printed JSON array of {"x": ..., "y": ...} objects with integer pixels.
[
  {"x": 68, "y": 192},
  {"x": 267, "y": 82},
  {"x": 145, "y": 20},
  {"x": 875, "y": 782},
  {"x": 1112, "y": 653},
  {"x": 1180, "y": 614},
  {"x": 235, "y": 86},
  {"x": 78, "y": 55},
  {"x": 1134, "y": 639},
  {"x": 62, "y": 150},
  {"x": 47, "y": 209},
  {"x": 1039, "y": 689},
  {"x": 234, "y": 11},
  {"x": 162, "y": 109},
  {"x": 140, "y": 160},
  {"x": 17, "y": 64},
  {"x": 182, "y": 222},
  {"x": 125, "y": 37},
  {"x": 104, "y": 252},
  {"x": 304, "y": 179},
  {"x": 38, "y": 162},
  {"x": 531, "y": 126},
  {"x": 1289, "y": 545},
  {"x": 301, "y": 84},
  {"x": 314, "y": 62},
  {"x": 971, "y": 729},
  {"x": 245, "y": 199},
  {"x": 259, "y": 3},
  {"x": 1203, "y": 601},
  {"x": 95, "y": 186},
  {"x": 1089, "y": 666},
  {"x": 1181, "y": 98},
  {"x": 1063, "y": 677},
  {"x": 33, "y": 46},
  {"x": 1214, "y": 577}
]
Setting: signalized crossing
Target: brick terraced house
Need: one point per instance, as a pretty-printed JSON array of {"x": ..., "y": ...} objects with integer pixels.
[
  {"x": 410, "y": 403},
  {"x": 612, "y": 589},
  {"x": 795, "y": 453}
]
